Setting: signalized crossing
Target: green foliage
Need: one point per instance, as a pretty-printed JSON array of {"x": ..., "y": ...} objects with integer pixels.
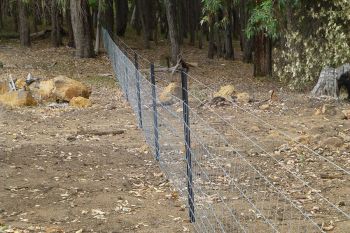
[
  {"x": 320, "y": 39},
  {"x": 262, "y": 20}
]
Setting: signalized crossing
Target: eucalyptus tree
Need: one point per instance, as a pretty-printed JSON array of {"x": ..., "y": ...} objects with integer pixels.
[
  {"x": 24, "y": 30},
  {"x": 82, "y": 29}
]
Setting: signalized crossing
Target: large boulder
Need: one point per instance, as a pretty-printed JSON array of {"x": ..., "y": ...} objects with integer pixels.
[
  {"x": 4, "y": 87},
  {"x": 170, "y": 93},
  {"x": 226, "y": 92},
  {"x": 18, "y": 99},
  {"x": 59, "y": 88},
  {"x": 65, "y": 88}
]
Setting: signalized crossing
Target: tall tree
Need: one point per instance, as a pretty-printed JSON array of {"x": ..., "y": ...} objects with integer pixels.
[
  {"x": 247, "y": 44},
  {"x": 122, "y": 11},
  {"x": 24, "y": 31},
  {"x": 69, "y": 26},
  {"x": 229, "y": 52},
  {"x": 81, "y": 24},
  {"x": 56, "y": 37},
  {"x": 173, "y": 29},
  {"x": 107, "y": 18}
]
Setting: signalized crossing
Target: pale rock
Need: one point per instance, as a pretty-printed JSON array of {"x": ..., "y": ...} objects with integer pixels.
[
  {"x": 226, "y": 92},
  {"x": 4, "y": 87},
  {"x": 80, "y": 102},
  {"x": 170, "y": 93},
  {"x": 66, "y": 88},
  {"x": 243, "y": 97},
  {"x": 264, "y": 107},
  {"x": 18, "y": 99},
  {"x": 346, "y": 114}
]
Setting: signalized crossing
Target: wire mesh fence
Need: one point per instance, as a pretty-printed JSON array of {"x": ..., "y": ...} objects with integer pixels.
[{"x": 226, "y": 189}]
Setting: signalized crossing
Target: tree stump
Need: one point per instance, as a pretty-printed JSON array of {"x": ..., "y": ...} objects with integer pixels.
[{"x": 327, "y": 84}]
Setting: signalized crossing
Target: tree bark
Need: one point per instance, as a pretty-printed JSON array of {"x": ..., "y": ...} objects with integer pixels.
[
  {"x": 144, "y": 22},
  {"x": 247, "y": 45},
  {"x": 56, "y": 37},
  {"x": 229, "y": 51},
  {"x": 69, "y": 27},
  {"x": 262, "y": 55},
  {"x": 24, "y": 31},
  {"x": 173, "y": 29},
  {"x": 81, "y": 24},
  {"x": 122, "y": 10},
  {"x": 212, "y": 47},
  {"x": 107, "y": 18},
  {"x": 98, "y": 28}
]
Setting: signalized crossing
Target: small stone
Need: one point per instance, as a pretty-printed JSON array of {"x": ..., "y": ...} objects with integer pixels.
[
  {"x": 243, "y": 97},
  {"x": 346, "y": 114},
  {"x": 341, "y": 203},
  {"x": 80, "y": 102},
  {"x": 264, "y": 107},
  {"x": 226, "y": 92},
  {"x": 71, "y": 138}
]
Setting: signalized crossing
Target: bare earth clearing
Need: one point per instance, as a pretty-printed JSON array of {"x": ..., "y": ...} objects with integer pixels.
[{"x": 55, "y": 177}]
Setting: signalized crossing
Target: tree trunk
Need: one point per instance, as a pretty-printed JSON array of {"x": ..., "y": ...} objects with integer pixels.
[
  {"x": 81, "y": 24},
  {"x": 122, "y": 10},
  {"x": 192, "y": 19},
  {"x": 247, "y": 45},
  {"x": 69, "y": 27},
  {"x": 173, "y": 29},
  {"x": 136, "y": 20},
  {"x": 56, "y": 38},
  {"x": 229, "y": 52},
  {"x": 262, "y": 55},
  {"x": 24, "y": 31},
  {"x": 98, "y": 28},
  {"x": 212, "y": 47},
  {"x": 107, "y": 18},
  {"x": 144, "y": 22},
  {"x": 330, "y": 81}
]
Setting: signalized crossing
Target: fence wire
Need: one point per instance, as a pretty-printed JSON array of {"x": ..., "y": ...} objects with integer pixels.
[{"x": 232, "y": 190}]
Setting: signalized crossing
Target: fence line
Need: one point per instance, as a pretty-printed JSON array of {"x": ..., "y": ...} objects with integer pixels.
[{"x": 225, "y": 190}]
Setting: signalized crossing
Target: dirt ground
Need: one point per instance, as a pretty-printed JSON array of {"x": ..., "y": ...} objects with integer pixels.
[{"x": 55, "y": 177}]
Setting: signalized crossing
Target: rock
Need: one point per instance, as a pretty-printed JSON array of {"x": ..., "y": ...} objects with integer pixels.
[
  {"x": 18, "y": 99},
  {"x": 4, "y": 87},
  {"x": 172, "y": 90},
  {"x": 59, "y": 88},
  {"x": 255, "y": 128},
  {"x": 66, "y": 88},
  {"x": 333, "y": 142},
  {"x": 1, "y": 65},
  {"x": 226, "y": 92},
  {"x": 80, "y": 102},
  {"x": 243, "y": 97},
  {"x": 264, "y": 107},
  {"x": 346, "y": 114},
  {"x": 20, "y": 83}
]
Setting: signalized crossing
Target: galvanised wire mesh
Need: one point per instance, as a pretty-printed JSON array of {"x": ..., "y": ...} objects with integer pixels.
[{"x": 233, "y": 190}]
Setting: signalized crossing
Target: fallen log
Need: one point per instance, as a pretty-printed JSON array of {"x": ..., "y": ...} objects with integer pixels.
[{"x": 100, "y": 132}]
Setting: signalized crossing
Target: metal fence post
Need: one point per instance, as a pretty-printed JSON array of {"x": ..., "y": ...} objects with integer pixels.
[
  {"x": 187, "y": 134},
  {"x": 155, "y": 114},
  {"x": 138, "y": 91}
]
